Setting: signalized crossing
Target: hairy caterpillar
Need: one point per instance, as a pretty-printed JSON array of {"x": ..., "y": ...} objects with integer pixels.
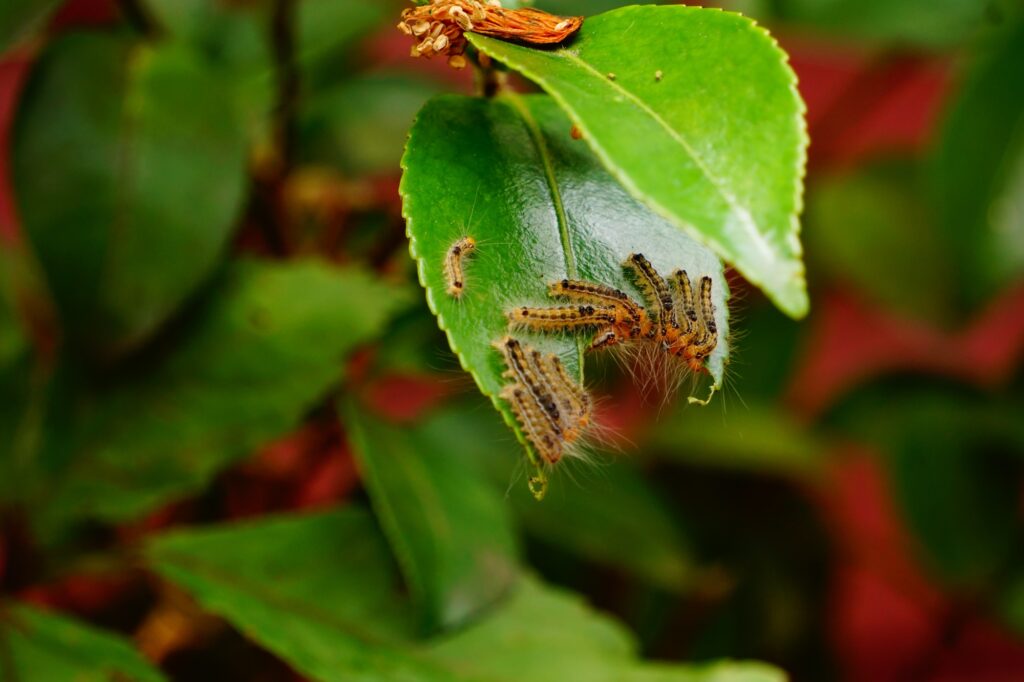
[{"x": 454, "y": 269}]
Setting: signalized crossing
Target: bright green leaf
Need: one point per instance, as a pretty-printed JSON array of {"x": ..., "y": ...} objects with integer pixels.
[
  {"x": 270, "y": 342},
  {"x": 978, "y": 171},
  {"x": 19, "y": 18},
  {"x": 541, "y": 208},
  {"x": 717, "y": 145},
  {"x": 318, "y": 591},
  {"x": 128, "y": 192},
  {"x": 447, "y": 523},
  {"x": 36, "y": 645}
]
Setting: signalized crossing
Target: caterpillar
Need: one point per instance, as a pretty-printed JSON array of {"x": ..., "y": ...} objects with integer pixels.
[
  {"x": 526, "y": 375},
  {"x": 454, "y": 269},
  {"x": 655, "y": 291},
  {"x": 564, "y": 318}
]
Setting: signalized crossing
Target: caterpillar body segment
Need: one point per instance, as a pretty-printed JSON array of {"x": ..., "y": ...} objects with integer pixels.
[
  {"x": 565, "y": 318},
  {"x": 535, "y": 427},
  {"x": 655, "y": 290},
  {"x": 454, "y": 267},
  {"x": 526, "y": 375},
  {"x": 707, "y": 340},
  {"x": 589, "y": 292},
  {"x": 572, "y": 406}
]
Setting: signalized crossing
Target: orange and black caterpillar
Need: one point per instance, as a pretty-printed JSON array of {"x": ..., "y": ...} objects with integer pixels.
[
  {"x": 552, "y": 410},
  {"x": 681, "y": 325}
]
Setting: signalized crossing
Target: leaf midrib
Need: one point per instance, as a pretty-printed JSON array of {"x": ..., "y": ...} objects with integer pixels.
[{"x": 734, "y": 205}]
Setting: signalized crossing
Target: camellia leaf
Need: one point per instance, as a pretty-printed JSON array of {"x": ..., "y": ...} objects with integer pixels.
[
  {"x": 260, "y": 353},
  {"x": 448, "y": 524},
  {"x": 129, "y": 192},
  {"x": 696, "y": 112},
  {"x": 318, "y": 591},
  {"x": 36, "y": 645},
  {"x": 541, "y": 208}
]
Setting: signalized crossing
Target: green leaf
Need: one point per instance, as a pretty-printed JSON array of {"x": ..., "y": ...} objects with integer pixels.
[
  {"x": 317, "y": 591},
  {"x": 753, "y": 438},
  {"x": 447, "y": 523},
  {"x": 949, "y": 453},
  {"x": 917, "y": 23},
  {"x": 36, "y": 645},
  {"x": 717, "y": 146},
  {"x": 128, "y": 192},
  {"x": 541, "y": 208},
  {"x": 360, "y": 126},
  {"x": 19, "y": 18},
  {"x": 588, "y": 520},
  {"x": 873, "y": 229},
  {"x": 264, "y": 349},
  {"x": 978, "y": 170}
]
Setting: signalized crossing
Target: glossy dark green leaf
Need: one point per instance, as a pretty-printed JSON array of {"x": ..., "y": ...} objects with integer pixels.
[
  {"x": 19, "y": 18},
  {"x": 873, "y": 229},
  {"x": 541, "y": 208},
  {"x": 128, "y": 192},
  {"x": 448, "y": 524},
  {"x": 716, "y": 145},
  {"x": 270, "y": 342},
  {"x": 978, "y": 170},
  {"x": 318, "y": 591},
  {"x": 753, "y": 438},
  {"x": 360, "y": 126},
  {"x": 37, "y": 645}
]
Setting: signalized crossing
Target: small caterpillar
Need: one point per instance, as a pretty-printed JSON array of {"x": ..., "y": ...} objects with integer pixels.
[
  {"x": 536, "y": 429},
  {"x": 454, "y": 271},
  {"x": 655, "y": 290},
  {"x": 564, "y": 318},
  {"x": 552, "y": 410},
  {"x": 526, "y": 375},
  {"x": 573, "y": 403}
]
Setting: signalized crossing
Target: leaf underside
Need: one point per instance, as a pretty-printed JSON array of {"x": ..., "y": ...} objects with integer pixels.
[{"x": 541, "y": 208}]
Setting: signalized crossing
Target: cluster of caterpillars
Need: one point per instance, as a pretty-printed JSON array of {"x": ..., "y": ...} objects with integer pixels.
[
  {"x": 676, "y": 319},
  {"x": 552, "y": 409}
]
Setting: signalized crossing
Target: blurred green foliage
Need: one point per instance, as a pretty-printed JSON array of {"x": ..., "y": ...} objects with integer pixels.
[{"x": 212, "y": 263}]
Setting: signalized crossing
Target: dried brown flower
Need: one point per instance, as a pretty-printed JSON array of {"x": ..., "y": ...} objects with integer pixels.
[{"x": 438, "y": 27}]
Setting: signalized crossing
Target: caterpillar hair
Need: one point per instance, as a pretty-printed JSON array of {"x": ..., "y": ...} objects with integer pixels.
[{"x": 454, "y": 270}]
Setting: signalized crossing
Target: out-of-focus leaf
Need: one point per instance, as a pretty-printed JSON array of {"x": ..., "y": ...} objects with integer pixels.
[
  {"x": 12, "y": 338},
  {"x": 872, "y": 229},
  {"x": 919, "y": 23},
  {"x": 613, "y": 517},
  {"x": 318, "y": 591},
  {"x": 541, "y": 208},
  {"x": 584, "y": 519},
  {"x": 755, "y": 438},
  {"x": 716, "y": 145},
  {"x": 1011, "y": 603},
  {"x": 235, "y": 39},
  {"x": 35, "y": 645},
  {"x": 360, "y": 126},
  {"x": 978, "y": 170},
  {"x": 19, "y": 18},
  {"x": 260, "y": 353},
  {"x": 128, "y": 192},
  {"x": 447, "y": 523},
  {"x": 956, "y": 467}
]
